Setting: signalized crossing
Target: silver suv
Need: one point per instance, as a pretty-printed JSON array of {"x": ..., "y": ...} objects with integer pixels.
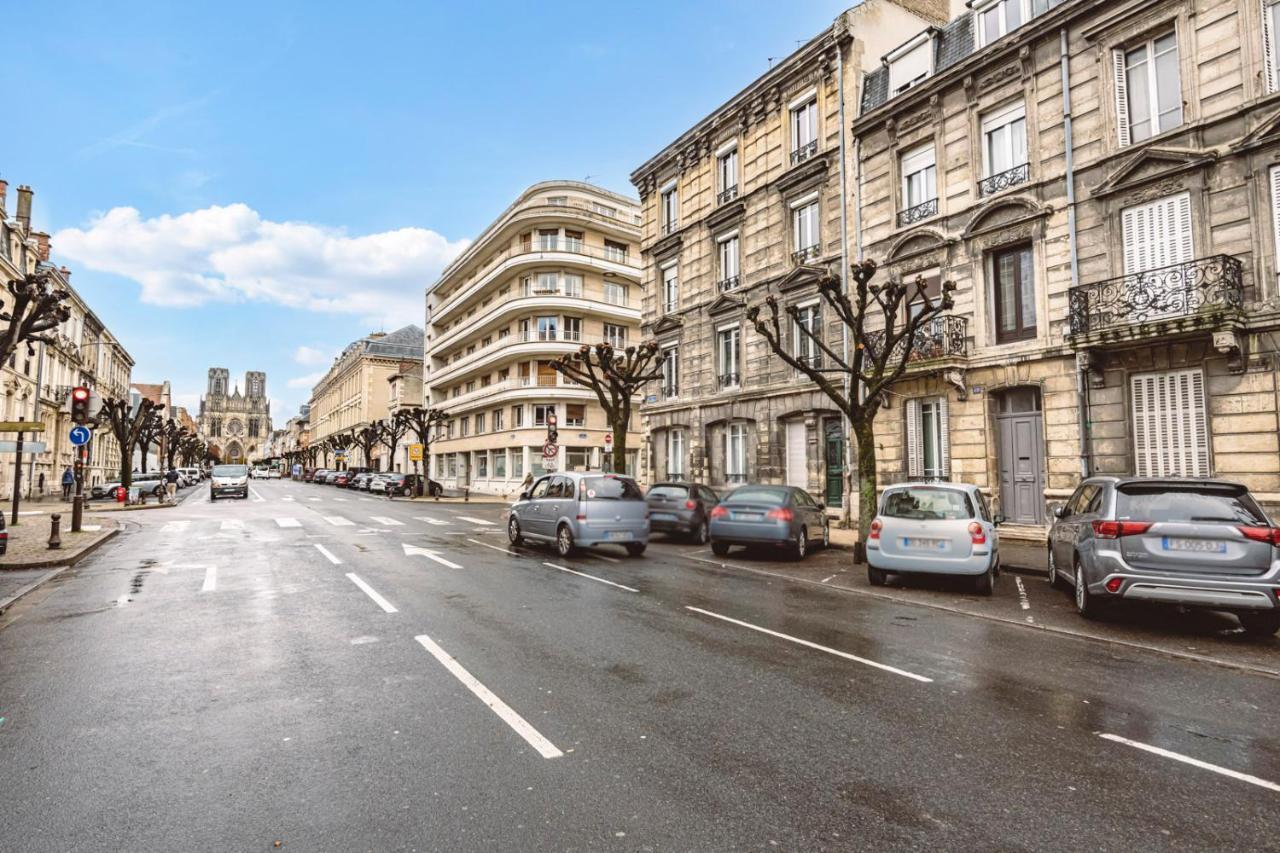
[
  {"x": 582, "y": 509},
  {"x": 1191, "y": 542}
]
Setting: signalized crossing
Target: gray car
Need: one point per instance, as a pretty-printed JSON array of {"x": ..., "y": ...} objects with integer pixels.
[
  {"x": 1189, "y": 542},
  {"x": 581, "y": 509},
  {"x": 681, "y": 508},
  {"x": 782, "y": 516}
]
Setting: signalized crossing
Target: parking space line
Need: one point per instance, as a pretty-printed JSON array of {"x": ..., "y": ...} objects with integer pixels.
[
  {"x": 504, "y": 711},
  {"x": 893, "y": 669},
  {"x": 1194, "y": 762},
  {"x": 372, "y": 593},
  {"x": 328, "y": 555},
  {"x": 589, "y": 577},
  {"x": 494, "y": 547},
  {"x": 210, "y": 579}
]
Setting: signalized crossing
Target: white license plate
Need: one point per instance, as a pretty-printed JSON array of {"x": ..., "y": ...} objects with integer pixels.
[
  {"x": 1200, "y": 546},
  {"x": 919, "y": 544},
  {"x": 747, "y": 516},
  {"x": 661, "y": 516},
  {"x": 619, "y": 534}
]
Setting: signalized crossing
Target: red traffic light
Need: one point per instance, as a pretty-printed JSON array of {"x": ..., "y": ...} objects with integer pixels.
[{"x": 80, "y": 394}]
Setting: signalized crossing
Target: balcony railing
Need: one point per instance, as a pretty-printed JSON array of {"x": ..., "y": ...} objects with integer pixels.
[
  {"x": 942, "y": 337},
  {"x": 804, "y": 152},
  {"x": 921, "y": 211},
  {"x": 727, "y": 284},
  {"x": 728, "y": 380},
  {"x": 669, "y": 391},
  {"x": 1004, "y": 180},
  {"x": 735, "y": 479},
  {"x": 1203, "y": 286},
  {"x": 727, "y": 195},
  {"x": 670, "y": 227},
  {"x": 808, "y": 253}
]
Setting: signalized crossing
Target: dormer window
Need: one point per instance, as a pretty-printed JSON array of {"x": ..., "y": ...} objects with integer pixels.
[
  {"x": 910, "y": 63},
  {"x": 997, "y": 18}
]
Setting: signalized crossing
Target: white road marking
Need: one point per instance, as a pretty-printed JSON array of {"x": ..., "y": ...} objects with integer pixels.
[
  {"x": 313, "y": 499},
  {"x": 494, "y": 547},
  {"x": 339, "y": 521},
  {"x": 387, "y": 522},
  {"x": 589, "y": 577},
  {"x": 474, "y": 520},
  {"x": 1194, "y": 762},
  {"x": 430, "y": 555},
  {"x": 429, "y": 520},
  {"x": 328, "y": 555},
  {"x": 288, "y": 522},
  {"x": 827, "y": 578},
  {"x": 597, "y": 556},
  {"x": 372, "y": 593},
  {"x": 517, "y": 723},
  {"x": 342, "y": 500},
  {"x": 91, "y": 528},
  {"x": 175, "y": 526},
  {"x": 367, "y": 500},
  {"x": 232, "y": 524},
  {"x": 812, "y": 645},
  {"x": 210, "y": 579},
  {"x": 287, "y": 498},
  {"x": 1023, "y": 600},
  {"x": 257, "y": 498}
]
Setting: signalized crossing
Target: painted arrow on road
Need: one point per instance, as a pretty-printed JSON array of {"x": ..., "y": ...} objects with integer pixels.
[{"x": 410, "y": 550}]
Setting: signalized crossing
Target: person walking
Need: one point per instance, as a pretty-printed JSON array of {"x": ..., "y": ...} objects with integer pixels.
[
  {"x": 68, "y": 480},
  {"x": 171, "y": 484}
]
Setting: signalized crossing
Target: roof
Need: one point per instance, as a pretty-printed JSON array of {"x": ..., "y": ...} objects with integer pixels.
[
  {"x": 404, "y": 343},
  {"x": 152, "y": 392},
  {"x": 951, "y": 43}
]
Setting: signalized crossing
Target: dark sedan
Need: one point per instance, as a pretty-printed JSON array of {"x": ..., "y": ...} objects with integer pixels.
[
  {"x": 682, "y": 509},
  {"x": 782, "y": 516}
]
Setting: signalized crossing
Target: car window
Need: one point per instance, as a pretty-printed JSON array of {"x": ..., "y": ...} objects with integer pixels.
[
  {"x": 768, "y": 495},
  {"x": 668, "y": 491},
  {"x": 540, "y": 488},
  {"x": 927, "y": 503},
  {"x": 1083, "y": 495},
  {"x": 708, "y": 495},
  {"x": 803, "y": 498},
  {"x": 610, "y": 488},
  {"x": 1191, "y": 503},
  {"x": 1095, "y": 502},
  {"x": 983, "y": 511}
]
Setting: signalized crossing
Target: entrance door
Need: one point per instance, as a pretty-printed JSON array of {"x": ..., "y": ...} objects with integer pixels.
[
  {"x": 797, "y": 455},
  {"x": 835, "y": 463},
  {"x": 1021, "y": 456}
]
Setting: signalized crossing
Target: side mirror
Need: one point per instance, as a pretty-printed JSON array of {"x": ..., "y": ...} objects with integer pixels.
[
  {"x": 1059, "y": 511},
  {"x": 524, "y": 496},
  {"x": 998, "y": 519}
]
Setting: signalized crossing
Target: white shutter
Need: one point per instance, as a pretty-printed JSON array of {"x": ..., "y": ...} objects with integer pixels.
[
  {"x": 944, "y": 436},
  {"x": 915, "y": 459},
  {"x": 1170, "y": 424},
  {"x": 1275, "y": 216},
  {"x": 1268, "y": 46},
  {"x": 1122, "y": 96},
  {"x": 1157, "y": 234}
]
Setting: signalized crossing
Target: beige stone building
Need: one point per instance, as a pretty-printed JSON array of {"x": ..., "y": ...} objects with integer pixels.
[
  {"x": 1114, "y": 247},
  {"x": 404, "y": 392},
  {"x": 558, "y": 269},
  {"x": 753, "y": 200}
]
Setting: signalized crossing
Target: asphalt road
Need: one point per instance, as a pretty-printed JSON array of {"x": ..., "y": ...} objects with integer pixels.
[{"x": 337, "y": 672}]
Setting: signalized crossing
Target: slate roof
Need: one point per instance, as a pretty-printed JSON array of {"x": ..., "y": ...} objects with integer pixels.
[
  {"x": 404, "y": 343},
  {"x": 952, "y": 43}
]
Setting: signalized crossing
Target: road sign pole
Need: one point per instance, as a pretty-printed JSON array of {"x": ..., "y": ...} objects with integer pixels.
[
  {"x": 17, "y": 478},
  {"x": 77, "y": 506}
]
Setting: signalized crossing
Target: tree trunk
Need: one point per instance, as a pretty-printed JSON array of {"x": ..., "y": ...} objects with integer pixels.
[
  {"x": 142, "y": 446},
  {"x": 619, "y": 448},
  {"x": 865, "y": 432}
]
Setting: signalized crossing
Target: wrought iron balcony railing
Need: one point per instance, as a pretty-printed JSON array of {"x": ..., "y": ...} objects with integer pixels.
[
  {"x": 727, "y": 194},
  {"x": 1202, "y": 286},
  {"x": 735, "y": 479},
  {"x": 729, "y": 380},
  {"x": 669, "y": 391},
  {"x": 808, "y": 253},
  {"x": 921, "y": 211},
  {"x": 727, "y": 284},
  {"x": 804, "y": 152},
  {"x": 946, "y": 336},
  {"x": 670, "y": 227},
  {"x": 1004, "y": 180}
]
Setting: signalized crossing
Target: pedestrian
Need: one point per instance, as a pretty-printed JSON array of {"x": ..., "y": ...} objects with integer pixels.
[
  {"x": 527, "y": 484},
  {"x": 171, "y": 484},
  {"x": 68, "y": 480}
]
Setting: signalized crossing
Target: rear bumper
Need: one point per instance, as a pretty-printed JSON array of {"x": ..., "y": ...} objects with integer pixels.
[
  {"x": 751, "y": 532},
  {"x": 1258, "y": 592},
  {"x": 616, "y": 534},
  {"x": 975, "y": 564},
  {"x": 679, "y": 522}
]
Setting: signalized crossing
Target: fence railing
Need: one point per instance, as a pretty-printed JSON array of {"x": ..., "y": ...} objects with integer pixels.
[{"x": 1213, "y": 283}]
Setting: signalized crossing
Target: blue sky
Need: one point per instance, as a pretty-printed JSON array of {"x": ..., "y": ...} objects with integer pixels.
[{"x": 222, "y": 178}]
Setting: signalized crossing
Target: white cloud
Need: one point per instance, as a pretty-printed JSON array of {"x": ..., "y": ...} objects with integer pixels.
[
  {"x": 232, "y": 254},
  {"x": 310, "y": 356},
  {"x": 307, "y": 381}
]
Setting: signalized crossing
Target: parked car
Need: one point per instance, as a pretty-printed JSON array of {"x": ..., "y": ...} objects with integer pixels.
[
  {"x": 1188, "y": 542},
  {"x": 193, "y": 475},
  {"x": 317, "y": 475},
  {"x": 682, "y": 509},
  {"x": 358, "y": 481},
  {"x": 935, "y": 528},
  {"x": 581, "y": 509},
  {"x": 4, "y": 536},
  {"x": 273, "y": 473},
  {"x": 378, "y": 482},
  {"x": 344, "y": 479},
  {"x": 151, "y": 483},
  {"x": 229, "y": 480},
  {"x": 331, "y": 477},
  {"x": 782, "y": 516}
]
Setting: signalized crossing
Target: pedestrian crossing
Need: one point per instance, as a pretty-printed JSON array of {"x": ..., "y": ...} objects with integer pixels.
[{"x": 366, "y": 523}]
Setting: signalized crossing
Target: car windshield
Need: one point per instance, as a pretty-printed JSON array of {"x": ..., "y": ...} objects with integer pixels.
[
  {"x": 610, "y": 489},
  {"x": 757, "y": 495},
  {"x": 230, "y": 470},
  {"x": 924, "y": 502},
  {"x": 1226, "y": 504},
  {"x": 668, "y": 492}
]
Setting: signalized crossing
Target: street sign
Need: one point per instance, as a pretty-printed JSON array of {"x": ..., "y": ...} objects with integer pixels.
[
  {"x": 340, "y": 457},
  {"x": 21, "y": 426},
  {"x": 80, "y": 435},
  {"x": 550, "y": 451},
  {"x": 608, "y": 438},
  {"x": 27, "y": 447},
  {"x": 550, "y": 463},
  {"x": 415, "y": 453}
]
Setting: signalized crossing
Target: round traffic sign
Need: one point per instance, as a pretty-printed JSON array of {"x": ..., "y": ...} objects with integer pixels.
[
  {"x": 608, "y": 438},
  {"x": 80, "y": 435},
  {"x": 549, "y": 450}
]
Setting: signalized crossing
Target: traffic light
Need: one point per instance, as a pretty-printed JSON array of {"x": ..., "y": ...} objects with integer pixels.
[
  {"x": 80, "y": 405},
  {"x": 552, "y": 433}
]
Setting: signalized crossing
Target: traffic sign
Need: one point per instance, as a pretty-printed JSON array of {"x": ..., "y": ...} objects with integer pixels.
[
  {"x": 21, "y": 426},
  {"x": 550, "y": 451},
  {"x": 608, "y": 438},
  {"x": 27, "y": 447},
  {"x": 415, "y": 453},
  {"x": 340, "y": 456},
  {"x": 80, "y": 435}
]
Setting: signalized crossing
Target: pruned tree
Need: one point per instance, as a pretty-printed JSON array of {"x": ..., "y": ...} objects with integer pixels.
[
  {"x": 615, "y": 377},
  {"x": 173, "y": 434},
  {"x": 886, "y": 324},
  {"x": 192, "y": 450},
  {"x": 35, "y": 307},
  {"x": 149, "y": 433},
  {"x": 424, "y": 421},
  {"x": 390, "y": 431},
  {"x": 340, "y": 442},
  {"x": 126, "y": 424},
  {"x": 366, "y": 438}
]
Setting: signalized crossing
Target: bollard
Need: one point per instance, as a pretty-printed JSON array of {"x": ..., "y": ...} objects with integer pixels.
[
  {"x": 55, "y": 538},
  {"x": 466, "y": 495}
]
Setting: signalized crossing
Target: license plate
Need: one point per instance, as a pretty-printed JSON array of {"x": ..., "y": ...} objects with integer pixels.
[
  {"x": 661, "y": 516},
  {"x": 747, "y": 516},
  {"x": 919, "y": 544},
  {"x": 619, "y": 534},
  {"x": 1200, "y": 546}
]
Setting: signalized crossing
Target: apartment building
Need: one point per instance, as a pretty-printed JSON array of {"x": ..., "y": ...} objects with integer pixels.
[
  {"x": 404, "y": 392},
  {"x": 752, "y": 201},
  {"x": 1102, "y": 182},
  {"x": 556, "y": 271}
]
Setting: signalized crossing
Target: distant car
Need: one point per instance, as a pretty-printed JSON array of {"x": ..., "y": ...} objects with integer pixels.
[
  {"x": 581, "y": 509},
  {"x": 1187, "y": 542},
  {"x": 150, "y": 483},
  {"x": 403, "y": 485},
  {"x": 344, "y": 478},
  {"x": 357, "y": 481},
  {"x": 682, "y": 509},
  {"x": 934, "y": 528},
  {"x": 192, "y": 474},
  {"x": 229, "y": 480},
  {"x": 378, "y": 483},
  {"x": 317, "y": 475},
  {"x": 331, "y": 477},
  {"x": 781, "y": 516}
]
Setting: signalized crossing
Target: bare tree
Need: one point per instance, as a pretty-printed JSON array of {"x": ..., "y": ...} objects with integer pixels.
[
  {"x": 149, "y": 434},
  {"x": 615, "y": 377},
  {"x": 390, "y": 431},
  {"x": 35, "y": 307},
  {"x": 885, "y": 323},
  {"x": 366, "y": 438},
  {"x": 126, "y": 425},
  {"x": 173, "y": 434}
]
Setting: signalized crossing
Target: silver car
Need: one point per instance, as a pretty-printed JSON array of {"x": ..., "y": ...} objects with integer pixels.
[
  {"x": 1189, "y": 542},
  {"x": 230, "y": 480},
  {"x": 934, "y": 528},
  {"x": 783, "y": 516},
  {"x": 581, "y": 509}
]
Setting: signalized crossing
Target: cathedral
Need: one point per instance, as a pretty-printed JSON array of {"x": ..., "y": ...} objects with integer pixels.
[{"x": 235, "y": 426}]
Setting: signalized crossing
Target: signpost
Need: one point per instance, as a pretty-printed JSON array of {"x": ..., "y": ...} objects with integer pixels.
[
  {"x": 415, "y": 453},
  {"x": 81, "y": 434},
  {"x": 20, "y": 427}
]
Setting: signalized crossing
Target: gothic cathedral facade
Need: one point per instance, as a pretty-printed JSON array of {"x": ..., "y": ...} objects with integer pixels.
[{"x": 236, "y": 426}]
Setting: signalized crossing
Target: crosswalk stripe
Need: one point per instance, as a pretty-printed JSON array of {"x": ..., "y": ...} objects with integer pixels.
[
  {"x": 429, "y": 520},
  {"x": 175, "y": 526},
  {"x": 288, "y": 522},
  {"x": 210, "y": 579},
  {"x": 313, "y": 499},
  {"x": 341, "y": 500},
  {"x": 339, "y": 521},
  {"x": 287, "y": 498},
  {"x": 387, "y": 522},
  {"x": 232, "y": 524},
  {"x": 474, "y": 520}
]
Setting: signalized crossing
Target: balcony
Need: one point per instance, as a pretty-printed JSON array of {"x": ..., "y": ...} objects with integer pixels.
[
  {"x": 728, "y": 380},
  {"x": 915, "y": 214},
  {"x": 1188, "y": 295},
  {"x": 1003, "y": 180},
  {"x": 944, "y": 337},
  {"x": 670, "y": 391},
  {"x": 808, "y": 253},
  {"x": 670, "y": 227},
  {"x": 804, "y": 152},
  {"x": 727, "y": 195},
  {"x": 726, "y": 284}
]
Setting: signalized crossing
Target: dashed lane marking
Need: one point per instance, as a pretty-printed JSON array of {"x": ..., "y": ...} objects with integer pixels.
[
  {"x": 372, "y": 593},
  {"x": 1023, "y": 601},
  {"x": 339, "y": 521},
  {"x": 1194, "y": 762},
  {"x": 494, "y": 547},
  {"x": 210, "y": 579},
  {"x": 288, "y": 522},
  {"x": 590, "y": 577},
  {"x": 328, "y": 554},
  {"x": 474, "y": 520},
  {"x": 387, "y": 522}
]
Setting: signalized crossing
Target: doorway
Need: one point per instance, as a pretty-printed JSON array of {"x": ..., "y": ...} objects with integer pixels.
[
  {"x": 835, "y": 462},
  {"x": 1020, "y": 431}
]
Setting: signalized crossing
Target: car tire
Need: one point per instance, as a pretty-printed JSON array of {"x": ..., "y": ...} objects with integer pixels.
[
  {"x": 876, "y": 577},
  {"x": 514, "y": 536},
  {"x": 720, "y": 549},
  {"x": 564, "y": 541},
  {"x": 1086, "y": 604},
  {"x": 1259, "y": 625},
  {"x": 635, "y": 549},
  {"x": 984, "y": 583},
  {"x": 1055, "y": 580},
  {"x": 700, "y": 533},
  {"x": 801, "y": 547}
]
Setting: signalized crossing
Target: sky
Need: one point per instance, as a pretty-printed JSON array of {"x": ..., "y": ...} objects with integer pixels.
[{"x": 255, "y": 185}]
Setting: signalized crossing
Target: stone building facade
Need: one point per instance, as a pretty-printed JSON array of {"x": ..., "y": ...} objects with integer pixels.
[
  {"x": 235, "y": 424},
  {"x": 556, "y": 270},
  {"x": 1114, "y": 248}
]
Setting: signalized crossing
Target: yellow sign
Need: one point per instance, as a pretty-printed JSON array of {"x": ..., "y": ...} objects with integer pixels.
[
  {"x": 415, "y": 453},
  {"x": 21, "y": 426}
]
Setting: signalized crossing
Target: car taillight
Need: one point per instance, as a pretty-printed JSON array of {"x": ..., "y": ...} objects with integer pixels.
[
  {"x": 719, "y": 512},
  {"x": 977, "y": 534},
  {"x": 690, "y": 505},
  {"x": 1270, "y": 535},
  {"x": 875, "y": 529},
  {"x": 1116, "y": 529},
  {"x": 1113, "y": 585},
  {"x": 781, "y": 514},
  {"x": 4, "y": 536}
]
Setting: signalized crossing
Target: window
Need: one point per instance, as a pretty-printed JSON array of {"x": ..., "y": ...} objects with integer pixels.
[
  {"x": 453, "y": 464},
  {"x": 1004, "y": 144},
  {"x": 480, "y": 423},
  {"x": 804, "y": 130},
  {"x": 548, "y": 328},
  {"x": 806, "y": 348},
  {"x": 670, "y": 211},
  {"x": 735, "y": 453},
  {"x": 1170, "y": 432},
  {"x": 572, "y": 329},
  {"x": 615, "y": 294},
  {"x": 575, "y": 414},
  {"x": 727, "y": 249},
  {"x": 557, "y": 200},
  {"x": 615, "y": 251},
  {"x": 487, "y": 340},
  {"x": 540, "y": 413},
  {"x": 471, "y": 386},
  {"x": 615, "y": 336},
  {"x": 675, "y": 454},
  {"x": 910, "y": 63},
  {"x": 497, "y": 420},
  {"x": 804, "y": 227},
  {"x": 1275, "y": 214},
  {"x": 517, "y": 417},
  {"x": 671, "y": 288},
  {"x": 572, "y": 284},
  {"x": 919, "y": 178},
  {"x": 548, "y": 239},
  {"x": 996, "y": 19},
  {"x": 482, "y": 463},
  {"x": 727, "y": 175},
  {"x": 573, "y": 241},
  {"x": 466, "y": 425},
  {"x": 1015, "y": 294},
  {"x": 727, "y": 352},
  {"x": 1270, "y": 29},
  {"x": 500, "y": 464},
  {"x": 670, "y": 372},
  {"x": 517, "y": 462},
  {"x": 547, "y": 282},
  {"x": 928, "y": 450},
  {"x": 502, "y": 333},
  {"x": 1148, "y": 89},
  {"x": 577, "y": 458}
]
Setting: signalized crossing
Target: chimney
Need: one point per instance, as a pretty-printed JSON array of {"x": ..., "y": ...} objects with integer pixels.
[
  {"x": 66, "y": 274},
  {"x": 24, "y": 208},
  {"x": 43, "y": 240},
  {"x": 4, "y": 191}
]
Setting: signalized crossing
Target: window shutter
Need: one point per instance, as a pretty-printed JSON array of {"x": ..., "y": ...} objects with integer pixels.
[
  {"x": 1275, "y": 215},
  {"x": 915, "y": 460},
  {"x": 944, "y": 433},
  {"x": 1131, "y": 224},
  {"x": 1268, "y": 47},
  {"x": 1182, "y": 245},
  {"x": 1142, "y": 415},
  {"x": 1122, "y": 96},
  {"x": 1170, "y": 424}
]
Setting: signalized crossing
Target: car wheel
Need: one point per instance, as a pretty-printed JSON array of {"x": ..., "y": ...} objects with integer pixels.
[
  {"x": 720, "y": 548},
  {"x": 984, "y": 583},
  {"x": 700, "y": 533},
  {"x": 1055, "y": 580},
  {"x": 1259, "y": 625},
  {"x": 635, "y": 549},
  {"x": 801, "y": 547},
  {"x": 513, "y": 531},
  {"x": 1086, "y": 605},
  {"x": 564, "y": 541},
  {"x": 876, "y": 577}
]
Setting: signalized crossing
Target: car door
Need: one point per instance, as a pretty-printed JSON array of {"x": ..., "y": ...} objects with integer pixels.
[
  {"x": 808, "y": 514},
  {"x": 531, "y": 514},
  {"x": 708, "y": 501},
  {"x": 554, "y": 504},
  {"x": 1066, "y": 529}
]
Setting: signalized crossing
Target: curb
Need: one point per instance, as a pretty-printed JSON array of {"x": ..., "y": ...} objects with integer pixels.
[
  {"x": 31, "y": 587},
  {"x": 66, "y": 561}
]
